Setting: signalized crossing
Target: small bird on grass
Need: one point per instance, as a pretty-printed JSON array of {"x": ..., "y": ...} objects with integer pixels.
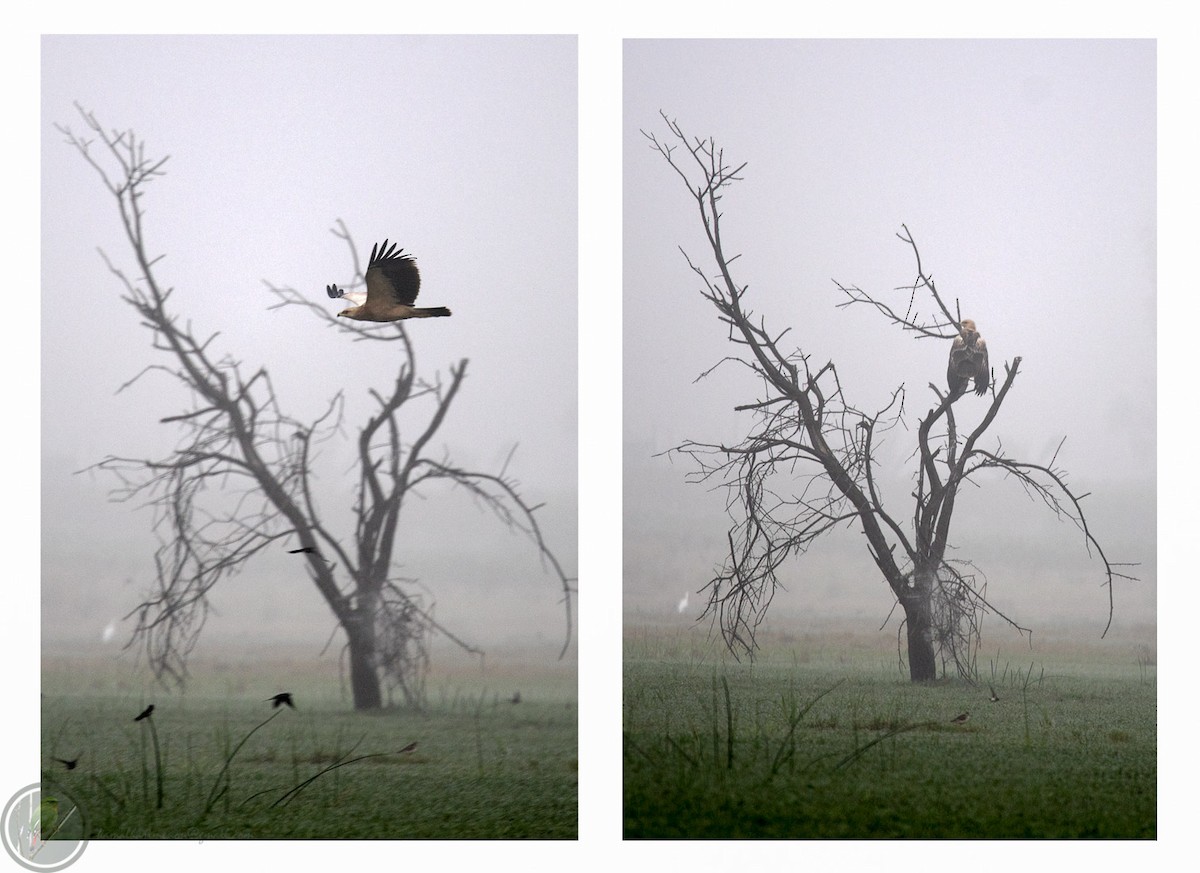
[
  {"x": 145, "y": 713},
  {"x": 993, "y": 698},
  {"x": 70, "y": 765},
  {"x": 516, "y": 698},
  {"x": 961, "y": 719},
  {"x": 409, "y": 747},
  {"x": 280, "y": 699}
]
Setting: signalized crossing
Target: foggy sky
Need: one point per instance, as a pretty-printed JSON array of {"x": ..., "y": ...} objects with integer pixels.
[
  {"x": 1025, "y": 171},
  {"x": 460, "y": 149}
]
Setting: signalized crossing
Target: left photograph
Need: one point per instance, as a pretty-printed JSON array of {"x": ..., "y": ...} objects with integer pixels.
[{"x": 309, "y": 437}]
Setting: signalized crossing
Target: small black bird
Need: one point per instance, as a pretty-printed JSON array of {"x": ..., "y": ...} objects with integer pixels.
[
  {"x": 410, "y": 746},
  {"x": 993, "y": 698},
  {"x": 280, "y": 699},
  {"x": 962, "y": 719},
  {"x": 304, "y": 550},
  {"x": 145, "y": 712},
  {"x": 70, "y": 765},
  {"x": 516, "y": 698}
]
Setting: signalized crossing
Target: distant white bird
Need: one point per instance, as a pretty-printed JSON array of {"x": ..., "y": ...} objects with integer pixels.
[
  {"x": 683, "y": 604},
  {"x": 110, "y": 630}
]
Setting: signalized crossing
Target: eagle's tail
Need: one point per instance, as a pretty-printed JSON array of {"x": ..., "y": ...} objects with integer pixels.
[{"x": 430, "y": 312}]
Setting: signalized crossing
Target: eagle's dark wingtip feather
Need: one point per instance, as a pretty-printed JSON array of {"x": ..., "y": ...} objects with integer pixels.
[
  {"x": 333, "y": 291},
  {"x": 383, "y": 252}
]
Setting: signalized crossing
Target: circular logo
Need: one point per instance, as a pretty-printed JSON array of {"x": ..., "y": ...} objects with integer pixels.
[{"x": 43, "y": 828}]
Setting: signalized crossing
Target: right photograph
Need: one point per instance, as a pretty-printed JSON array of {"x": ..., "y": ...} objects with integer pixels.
[{"x": 889, "y": 342}]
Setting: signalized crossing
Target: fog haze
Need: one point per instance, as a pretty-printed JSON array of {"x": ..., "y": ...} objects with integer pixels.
[
  {"x": 460, "y": 149},
  {"x": 1025, "y": 171}
]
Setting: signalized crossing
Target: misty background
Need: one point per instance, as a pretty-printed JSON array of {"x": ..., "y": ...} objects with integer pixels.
[
  {"x": 1025, "y": 171},
  {"x": 462, "y": 150}
]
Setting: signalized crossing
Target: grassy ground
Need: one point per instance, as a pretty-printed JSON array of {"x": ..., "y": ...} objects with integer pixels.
[
  {"x": 483, "y": 767},
  {"x": 822, "y": 737}
]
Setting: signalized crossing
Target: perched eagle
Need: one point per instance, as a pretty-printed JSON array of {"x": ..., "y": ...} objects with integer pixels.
[
  {"x": 392, "y": 286},
  {"x": 968, "y": 360}
]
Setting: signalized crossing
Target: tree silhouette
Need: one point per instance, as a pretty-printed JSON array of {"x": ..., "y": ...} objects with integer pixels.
[
  {"x": 241, "y": 478},
  {"x": 807, "y": 464}
]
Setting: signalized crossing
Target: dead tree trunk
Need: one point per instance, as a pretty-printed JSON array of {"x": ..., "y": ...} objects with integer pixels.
[
  {"x": 364, "y": 667},
  {"x": 916, "y": 600}
]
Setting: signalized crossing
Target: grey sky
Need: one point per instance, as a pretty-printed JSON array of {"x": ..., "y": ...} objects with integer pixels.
[
  {"x": 460, "y": 149},
  {"x": 1025, "y": 171}
]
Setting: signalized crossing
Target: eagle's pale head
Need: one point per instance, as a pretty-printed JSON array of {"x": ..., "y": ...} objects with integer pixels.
[{"x": 968, "y": 326}]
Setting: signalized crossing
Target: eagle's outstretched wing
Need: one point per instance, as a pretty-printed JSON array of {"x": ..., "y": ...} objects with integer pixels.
[{"x": 392, "y": 277}]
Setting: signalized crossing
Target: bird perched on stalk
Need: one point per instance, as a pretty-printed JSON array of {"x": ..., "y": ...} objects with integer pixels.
[
  {"x": 280, "y": 699},
  {"x": 70, "y": 765},
  {"x": 960, "y": 719},
  {"x": 392, "y": 286},
  {"x": 968, "y": 360},
  {"x": 145, "y": 713}
]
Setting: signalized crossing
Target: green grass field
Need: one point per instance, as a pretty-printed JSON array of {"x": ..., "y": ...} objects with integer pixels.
[
  {"x": 483, "y": 767},
  {"x": 823, "y": 737}
]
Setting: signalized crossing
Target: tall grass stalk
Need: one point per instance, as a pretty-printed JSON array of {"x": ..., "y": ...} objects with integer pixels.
[
  {"x": 341, "y": 761},
  {"x": 728, "y": 725},
  {"x": 787, "y": 748},
  {"x": 158, "y": 774},
  {"x": 1025, "y": 699},
  {"x": 479, "y": 731},
  {"x": 213, "y": 795},
  {"x": 716, "y": 731}
]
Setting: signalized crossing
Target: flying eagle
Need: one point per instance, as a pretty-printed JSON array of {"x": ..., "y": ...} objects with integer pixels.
[
  {"x": 968, "y": 360},
  {"x": 392, "y": 285}
]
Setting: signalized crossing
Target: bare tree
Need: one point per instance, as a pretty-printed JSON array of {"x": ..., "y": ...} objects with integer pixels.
[
  {"x": 241, "y": 479},
  {"x": 807, "y": 463}
]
